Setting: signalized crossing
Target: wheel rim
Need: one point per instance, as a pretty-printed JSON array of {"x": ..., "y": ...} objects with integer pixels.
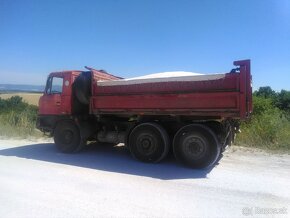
[
  {"x": 67, "y": 137},
  {"x": 146, "y": 144},
  {"x": 195, "y": 147}
]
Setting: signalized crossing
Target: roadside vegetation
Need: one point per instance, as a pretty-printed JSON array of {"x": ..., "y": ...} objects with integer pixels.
[
  {"x": 269, "y": 126},
  {"x": 17, "y": 118}
]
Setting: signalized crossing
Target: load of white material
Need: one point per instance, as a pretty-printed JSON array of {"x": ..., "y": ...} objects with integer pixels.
[
  {"x": 165, "y": 75},
  {"x": 162, "y": 77}
]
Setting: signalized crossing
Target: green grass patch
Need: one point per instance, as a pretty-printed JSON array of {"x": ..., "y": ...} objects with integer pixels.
[
  {"x": 268, "y": 128},
  {"x": 17, "y": 118}
]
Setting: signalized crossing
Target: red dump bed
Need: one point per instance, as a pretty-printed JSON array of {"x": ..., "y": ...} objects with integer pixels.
[{"x": 218, "y": 95}]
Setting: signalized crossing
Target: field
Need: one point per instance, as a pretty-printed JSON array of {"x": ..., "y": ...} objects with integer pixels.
[
  {"x": 18, "y": 114},
  {"x": 30, "y": 98}
]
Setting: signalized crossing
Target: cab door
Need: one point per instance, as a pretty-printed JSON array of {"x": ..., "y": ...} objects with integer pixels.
[{"x": 51, "y": 102}]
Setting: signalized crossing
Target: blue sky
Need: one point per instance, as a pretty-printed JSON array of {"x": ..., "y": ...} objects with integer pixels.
[{"x": 137, "y": 37}]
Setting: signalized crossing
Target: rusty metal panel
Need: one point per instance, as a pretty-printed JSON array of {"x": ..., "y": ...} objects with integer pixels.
[{"x": 169, "y": 103}]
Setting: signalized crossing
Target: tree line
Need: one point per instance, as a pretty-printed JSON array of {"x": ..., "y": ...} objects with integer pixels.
[{"x": 280, "y": 99}]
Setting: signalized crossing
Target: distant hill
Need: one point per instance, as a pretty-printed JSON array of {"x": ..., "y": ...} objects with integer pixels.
[{"x": 20, "y": 88}]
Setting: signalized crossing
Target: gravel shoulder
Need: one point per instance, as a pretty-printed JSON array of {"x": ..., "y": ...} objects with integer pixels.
[{"x": 38, "y": 181}]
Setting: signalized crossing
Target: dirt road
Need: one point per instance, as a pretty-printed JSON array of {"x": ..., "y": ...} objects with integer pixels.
[{"x": 38, "y": 181}]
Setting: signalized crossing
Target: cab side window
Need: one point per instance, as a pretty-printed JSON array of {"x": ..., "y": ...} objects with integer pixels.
[{"x": 54, "y": 85}]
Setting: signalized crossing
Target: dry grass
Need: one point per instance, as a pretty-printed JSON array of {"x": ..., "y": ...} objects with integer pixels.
[{"x": 30, "y": 98}]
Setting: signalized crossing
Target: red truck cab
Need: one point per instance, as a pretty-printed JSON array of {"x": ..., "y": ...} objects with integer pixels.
[{"x": 57, "y": 97}]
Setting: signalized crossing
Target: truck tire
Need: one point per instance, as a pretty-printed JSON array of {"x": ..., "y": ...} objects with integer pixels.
[
  {"x": 149, "y": 142},
  {"x": 67, "y": 137},
  {"x": 196, "y": 146},
  {"x": 82, "y": 87}
]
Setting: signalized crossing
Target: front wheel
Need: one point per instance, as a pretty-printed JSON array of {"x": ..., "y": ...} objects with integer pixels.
[
  {"x": 67, "y": 137},
  {"x": 196, "y": 146}
]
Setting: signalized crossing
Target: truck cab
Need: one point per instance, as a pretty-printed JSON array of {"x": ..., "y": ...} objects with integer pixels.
[
  {"x": 56, "y": 100},
  {"x": 67, "y": 96}
]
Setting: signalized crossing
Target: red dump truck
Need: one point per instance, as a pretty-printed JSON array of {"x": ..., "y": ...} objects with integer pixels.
[{"x": 194, "y": 116}]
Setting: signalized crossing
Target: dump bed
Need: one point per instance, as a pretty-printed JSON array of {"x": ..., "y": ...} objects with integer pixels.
[{"x": 217, "y": 95}]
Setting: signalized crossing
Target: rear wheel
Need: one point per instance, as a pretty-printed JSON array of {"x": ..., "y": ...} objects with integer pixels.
[
  {"x": 196, "y": 146},
  {"x": 67, "y": 137},
  {"x": 149, "y": 142}
]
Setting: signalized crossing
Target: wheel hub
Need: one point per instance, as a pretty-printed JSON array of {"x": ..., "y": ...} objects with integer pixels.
[
  {"x": 195, "y": 147},
  {"x": 67, "y": 136},
  {"x": 146, "y": 144}
]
